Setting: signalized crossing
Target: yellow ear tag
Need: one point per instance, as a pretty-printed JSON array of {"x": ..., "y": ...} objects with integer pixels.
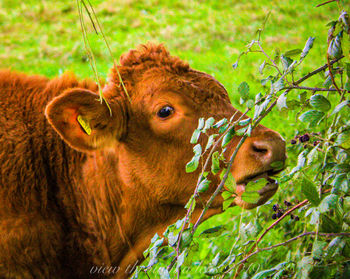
[{"x": 84, "y": 124}]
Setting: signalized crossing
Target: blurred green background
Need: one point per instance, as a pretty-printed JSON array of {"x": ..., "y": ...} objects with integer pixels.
[{"x": 44, "y": 37}]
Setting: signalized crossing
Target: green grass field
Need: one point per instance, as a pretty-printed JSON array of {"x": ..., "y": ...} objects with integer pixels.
[{"x": 44, "y": 37}]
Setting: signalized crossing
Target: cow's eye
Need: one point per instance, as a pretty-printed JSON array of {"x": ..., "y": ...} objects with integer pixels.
[{"x": 165, "y": 112}]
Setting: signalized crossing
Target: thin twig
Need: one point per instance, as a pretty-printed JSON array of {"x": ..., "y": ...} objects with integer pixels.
[
  {"x": 327, "y": 2},
  {"x": 89, "y": 14},
  {"x": 282, "y": 244},
  {"x": 311, "y": 88},
  {"x": 109, "y": 50},
  {"x": 89, "y": 51},
  {"x": 240, "y": 267},
  {"x": 288, "y": 212},
  {"x": 273, "y": 62},
  {"x": 329, "y": 40},
  {"x": 269, "y": 228}
]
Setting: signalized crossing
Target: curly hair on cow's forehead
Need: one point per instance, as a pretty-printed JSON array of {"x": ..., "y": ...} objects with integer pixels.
[
  {"x": 154, "y": 62},
  {"x": 150, "y": 55}
]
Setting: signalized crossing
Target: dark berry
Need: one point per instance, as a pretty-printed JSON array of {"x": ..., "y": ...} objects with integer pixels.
[
  {"x": 293, "y": 141},
  {"x": 292, "y": 216},
  {"x": 304, "y": 138},
  {"x": 296, "y": 218},
  {"x": 305, "y": 146},
  {"x": 275, "y": 207},
  {"x": 316, "y": 142},
  {"x": 287, "y": 203},
  {"x": 274, "y": 216},
  {"x": 279, "y": 214}
]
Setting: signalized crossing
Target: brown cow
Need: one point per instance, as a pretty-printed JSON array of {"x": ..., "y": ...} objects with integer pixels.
[{"x": 73, "y": 200}]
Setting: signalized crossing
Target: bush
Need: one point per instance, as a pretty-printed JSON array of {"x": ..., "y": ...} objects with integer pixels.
[{"x": 305, "y": 233}]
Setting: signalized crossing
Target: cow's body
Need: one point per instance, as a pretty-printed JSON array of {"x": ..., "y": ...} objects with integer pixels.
[{"x": 66, "y": 213}]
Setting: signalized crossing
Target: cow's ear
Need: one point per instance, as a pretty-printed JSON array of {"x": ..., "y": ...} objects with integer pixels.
[{"x": 84, "y": 122}]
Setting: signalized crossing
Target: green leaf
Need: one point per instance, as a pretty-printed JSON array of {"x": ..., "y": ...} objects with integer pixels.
[
  {"x": 204, "y": 185},
  {"x": 320, "y": 102},
  {"x": 200, "y": 123},
  {"x": 304, "y": 267},
  {"x": 264, "y": 274},
  {"x": 262, "y": 66},
  {"x": 302, "y": 159},
  {"x": 250, "y": 103},
  {"x": 227, "y": 203},
  {"x": 293, "y": 104},
  {"x": 277, "y": 165},
  {"x": 195, "y": 136},
  {"x": 215, "y": 163},
  {"x": 259, "y": 109},
  {"x": 286, "y": 62},
  {"x": 307, "y": 47},
  {"x": 311, "y": 116},
  {"x": 210, "y": 141},
  {"x": 230, "y": 183},
  {"x": 312, "y": 156},
  {"x": 335, "y": 247},
  {"x": 212, "y": 271},
  {"x": 250, "y": 197},
  {"x": 186, "y": 238},
  {"x": 278, "y": 85},
  {"x": 197, "y": 150},
  {"x": 223, "y": 128},
  {"x": 244, "y": 122},
  {"x": 302, "y": 97},
  {"x": 317, "y": 249},
  {"x": 215, "y": 231},
  {"x": 227, "y": 138},
  {"x": 235, "y": 65},
  {"x": 343, "y": 139},
  {"x": 181, "y": 259},
  {"x": 293, "y": 52},
  {"x": 282, "y": 102},
  {"x": 192, "y": 165},
  {"x": 243, "y": 90},
  {"x": 309, "y": 190},
  {"x": 269, "y": 272},
  {"x": 347, "y": 69},
  {"x": 254, "y": 186},
  {"x": 328, "y": 82},
  {"x": 220, "y": 123},
  {"x": 278, "y": 274},
  {"x": 226, "y": 195},
  {"x": 347, "y": 86},
  {"x": 340, "y": 184},
  {"x": 328, "y": 203},
  {"x": 209, "y": 123},
  {"x": 334, "y": 48},
  {"x": 328, "y": 225},
  {"x": 163, "y": 273},
  {"x": 315, "y": 216},
  {"x": 341, "y": 106},
  {"x": 240, "y": 132},
  {"x": 172, "y": 238}
]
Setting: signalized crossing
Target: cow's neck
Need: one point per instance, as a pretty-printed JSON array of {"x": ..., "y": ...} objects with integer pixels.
[
  {"x": 120, "y": 219},
  {"x": 122, "y": 216}
]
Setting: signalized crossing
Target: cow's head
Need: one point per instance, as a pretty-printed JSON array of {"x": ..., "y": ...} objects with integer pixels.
[{"x": 150, "y": 133}]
